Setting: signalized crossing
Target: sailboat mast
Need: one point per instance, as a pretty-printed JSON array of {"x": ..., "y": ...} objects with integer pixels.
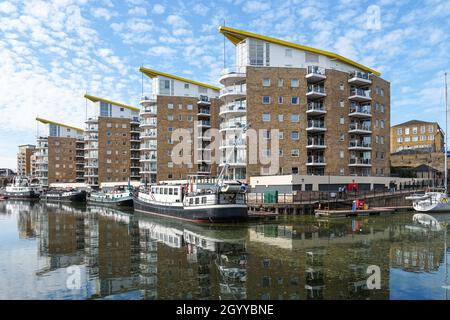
[{"x": 446, "y": 130}]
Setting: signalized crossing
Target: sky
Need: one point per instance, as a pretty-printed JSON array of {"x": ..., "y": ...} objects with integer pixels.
[{"x": 52, "y": 52}]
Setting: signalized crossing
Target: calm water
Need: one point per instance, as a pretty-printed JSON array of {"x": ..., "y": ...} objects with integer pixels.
[{"x": 64, "y": 252}]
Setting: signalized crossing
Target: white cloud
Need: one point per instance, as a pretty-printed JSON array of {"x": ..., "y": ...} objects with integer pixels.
[
  {"x": 201, "y": 9},
  {"x": 103, "y": 13},
  {"x": 255, "y": 6},
  {"x": 161, "y": 51},
  {"x": 158, "y": 8},
  {"x": 7, "y": 7},
  {"x": 137, "y": 11}
]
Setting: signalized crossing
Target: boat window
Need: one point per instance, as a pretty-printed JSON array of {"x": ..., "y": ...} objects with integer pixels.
[
  {"x": 203, "y": 199},
  {"x": 191, "y": 201},
  {"x": 197, "y": 200},
  {"x": 165, "y": 190},
  {"x": 175, "y": 191},
  {"x": 170, "y": 190}
]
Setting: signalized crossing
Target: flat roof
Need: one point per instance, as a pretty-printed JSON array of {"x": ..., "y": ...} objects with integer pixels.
[
  {"x": 96, "y": 99},
  {"x": 154, "y": 73},
  {"x": 46, "y": 121},
  {"x": 236, "y": 36}
]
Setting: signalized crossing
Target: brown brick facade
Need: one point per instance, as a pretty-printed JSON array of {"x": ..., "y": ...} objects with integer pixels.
[{"x": 61, "y": 160}]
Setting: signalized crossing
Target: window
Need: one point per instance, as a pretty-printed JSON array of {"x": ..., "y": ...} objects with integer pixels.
[
  {"x": 170, "y": 164},
  {"x": 381, "y": 139},
  {"x": 266, "y": 117},
  {"x": 186, "y": 85},
  {"x": 341, "y": 171},
  {"x": 288, "y": 53},
  {"x": 104, "y": 109},
  {"x": 109, "y": 125},
  {"x": 294, "y": 100},
  {"x": 377, "y": 139},
  {"x": 341, "y": 86},
  {"x": 430, "y": 129},
  {"x": 281, "y": 135},
  {"x": 382, "y": 124},
  {"x": 169, "y": 129},
  {"x": 399, "y": 131},
  {"x": 180, "y": 117},
  {"x": 169, "y": 117},
  {"x": 189, "y": 118},
  {"x": 376, "y": 123},
  {"x": 422, "y": 129},
  {"x": 382, "y": 92},
  {"x": 169, "y": 141},
  {"x": 256, "y": 52},
  {"x": 341, "y": 136},
  {"x": 280, "y": 100},
  {"x": 294, "y": 170},
  {"x": 295, "y": 135},
  {"x": 280, "y": 152},
  {"x": 294, "y": 83},
  {"x": 266, "y": 134},
  {"x": 341, "y": 120},
  {"x": 407, "y": 139},
  {"x": 311, "y": 57},
  {"x": 415, "y": 138},
  {"x": 265, "y": 99},
  {"x": 430, "y": 138},
  {"x": 422, "y": 138},
  {"x": 295, "y": 117},
  {"x": 280, "y": 118},
  {"x": 341, "y": 103},
  {"x": 122, "y": 109},
  {"x": 280, "y": 82},
  {"x": 341, "y": 154},
  {"x": 382, "y": 108},
  {"x": 266, "y": 152},
  {"x": 266, "y": 82},
  {"x": 295, "y": 153},
  {"x": 189, "y": 106},
  {"x": 406, "y": 131},
  {"x": 399, "y": 139},
  {"x": 414, "y": 130},
  {"x": 170, "y": 106}
]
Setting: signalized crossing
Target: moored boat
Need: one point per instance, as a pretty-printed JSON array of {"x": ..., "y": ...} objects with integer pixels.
[
  {"x": 116, "y": 197},
  {"x": 71, "y": 195},
  {"x": 201, "y": 199},
  {"x": 22, "y": 189}
]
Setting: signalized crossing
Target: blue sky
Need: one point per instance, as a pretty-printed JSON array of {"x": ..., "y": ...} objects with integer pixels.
[{"x": 52, "y": 52}]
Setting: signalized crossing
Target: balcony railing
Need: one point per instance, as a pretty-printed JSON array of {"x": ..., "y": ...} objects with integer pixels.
[
  {"x": 232, "y": 125},
  {"x": 316, "y": 142},
  {"x": 361, "y": 161},
  {"x": 234, "y": 107},
  {"x": 359, "y": 144},
  {"x": 204, "y": 123},
  {"x": 316, "y": 124},
  {"x": 316, "y": 106},
  {"x": 363, "y": 109},
  {"x": 239, "y": 90},
  {"x": 316, "y": 159},
  {"x": 233, "y": 142},
  {"x": 316, "y": 88},
  {"x": 360, "y": 92},
  {"x": 360, "y": 126},
  {"x": 316, "y": 70},
  {"x": 204, "y": 111}
]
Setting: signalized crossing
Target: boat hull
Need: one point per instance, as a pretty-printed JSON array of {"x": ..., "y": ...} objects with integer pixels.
[
  {"x": 78, "y": 197},
  {"x": 125, "y": 202},
  {"x": 23, "y": 195},
  {"x": 212, "y": 213}
]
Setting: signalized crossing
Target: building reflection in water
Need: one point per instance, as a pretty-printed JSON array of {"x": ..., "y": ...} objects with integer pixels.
[{"x": 133, "y": 256}]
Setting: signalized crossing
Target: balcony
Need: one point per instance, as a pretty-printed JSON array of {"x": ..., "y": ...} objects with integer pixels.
[
  {"x": 148, "y": 135},
  {"x": 360, "y": 111},
  {"x": 316, "y": 143},
  {"x": 204, "y": 137},
  {"x": 232, "y": 75},
  {"x": 315, "y": 108},
  {"x": 359, "y": 145},
  {"x": 360, "y": 128},
  {"x": 147, "y": 99},
  {"x": 147, "y": 158},
  {"x": 135, "y": 138},
  {"x": 135, "y": 146},
  {"x": 315, "y": 74},
  {"x": 204, "y": 124},
  {"x": 316, "y": 126},
  {"x": 203, "y": 112},
  {"x": 149, "y": 110},
  {"x": 316, "y": 161},
  {"x": 235, "y": 162},
  {"x": 135, "y": 130},
  {"x": 201, "y": 169},
  {"x": 91, "y": 138},
  {"x": 148, "y": 123},
  {"x": 233, "y": 143},
  {"x": 233, "y": 107},
  {"x": 232, "y": 125},
  {"x": 134, "y": 121},
  {"x": 234, "y": 92},
  {"x": 148, "y": 147},
  {"x": 360, "y": 162},
  {"x": 316, "y": 91},
  {"x": 359, "y": 78},
  {"x": 359, "y": 95},
  {"x": 203, "y": 100}
]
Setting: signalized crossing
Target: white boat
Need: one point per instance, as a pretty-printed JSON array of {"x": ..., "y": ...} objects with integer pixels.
[
  {"x": 22, "y": 188},
  {"x": 435, "y": 201},
  {"x": 117, "y": 197}
]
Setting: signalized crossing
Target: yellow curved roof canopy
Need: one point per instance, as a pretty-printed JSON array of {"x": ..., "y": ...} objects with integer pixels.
[
  {"x": 96, "y": 99},
  {"x": 153, "y": 73},
  {"x": 46, "y": 121},
  {"x": 236, "y": 36}
]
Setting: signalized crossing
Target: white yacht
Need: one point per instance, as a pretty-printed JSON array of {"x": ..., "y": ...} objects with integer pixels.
[
  {"x": 22, "y": 188},
  {"x": 435, "y": 201}
]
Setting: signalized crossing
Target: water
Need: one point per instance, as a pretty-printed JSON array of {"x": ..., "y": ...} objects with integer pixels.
[{"x": 54, "y": 251}]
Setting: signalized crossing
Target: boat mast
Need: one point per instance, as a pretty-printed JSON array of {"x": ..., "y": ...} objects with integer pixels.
[{"x": 446, "y": 130}]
